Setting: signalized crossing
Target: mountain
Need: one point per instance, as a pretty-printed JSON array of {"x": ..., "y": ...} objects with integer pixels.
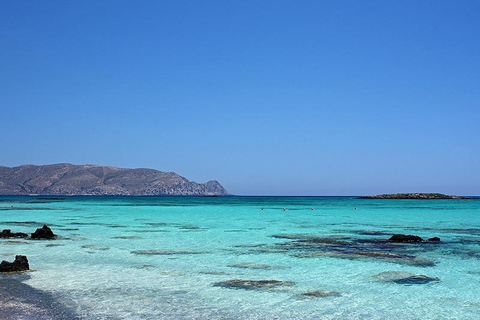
[{"x": 69, "y": 179}]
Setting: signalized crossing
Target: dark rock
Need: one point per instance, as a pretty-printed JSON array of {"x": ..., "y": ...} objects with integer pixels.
[
  {"x": 43, "y": 233},
  {"x": 405, "y": 238},
  {"x": 20, "y": 264},
  {"x": 253, "y": 284},
  {"x": 416, "y": 279},
  {"x": 434, "y": 239},
  {"x": 7, "y": 233}
]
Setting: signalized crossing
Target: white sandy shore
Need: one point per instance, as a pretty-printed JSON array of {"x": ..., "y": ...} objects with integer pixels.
[{"x": 19, "y": 301}]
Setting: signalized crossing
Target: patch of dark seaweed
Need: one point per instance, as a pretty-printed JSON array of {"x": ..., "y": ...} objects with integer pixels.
[
  {"x": 144, "y": 266},
  {"x": 469, "y": 241},
  {"x": 268, "y": 250},
  {"x": 14, "y": 242},
  {"x": 214, "y": 273},
  {"x": 296, "y": 236},
  {"x": 31, "y": 208},
  {"x": 127, "y": 237},
  {"x": 95, "y": 247},
  {"x": 371, "y": 233},
  {"x": 166, "y": 252},
  {"x": 89, "y": 224},
  {"x": 387, "y": 257},
  {"x": 253, "y": 245},
  {"x": 117, "y": 226},
  {"x": 149, "y": 231},
  {"x": 253, "y": 284},
  {"x": 253, "y": 266},
  {"x": 465, "y": 253},
  {"x": 315, "y": 294},
  {"x": 29, "y": 223},
  {"x": 191, "y": 228},
  {"x": 76, "y": 238},
  {"x": 157, "y": 224},
  {"x": 469, "y": 231}
]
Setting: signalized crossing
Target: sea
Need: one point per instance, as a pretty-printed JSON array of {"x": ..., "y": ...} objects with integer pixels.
[{"x": 241, "y": 258}]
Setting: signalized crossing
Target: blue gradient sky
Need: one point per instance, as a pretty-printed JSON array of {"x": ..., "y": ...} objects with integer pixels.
[{"x": 268, "y": 97}]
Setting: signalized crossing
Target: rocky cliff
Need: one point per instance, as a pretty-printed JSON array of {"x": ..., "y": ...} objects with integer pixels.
[{"x": 69, "y": 179}]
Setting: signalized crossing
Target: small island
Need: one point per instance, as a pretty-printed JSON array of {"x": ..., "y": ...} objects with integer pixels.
[{"x": 414, "y": 196}]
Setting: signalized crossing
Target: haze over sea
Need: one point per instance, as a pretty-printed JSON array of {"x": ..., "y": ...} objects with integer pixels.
[{"x": 170, "y": 258}]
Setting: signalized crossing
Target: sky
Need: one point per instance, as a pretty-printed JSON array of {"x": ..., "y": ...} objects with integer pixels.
[{"x": 331, "y": 97}]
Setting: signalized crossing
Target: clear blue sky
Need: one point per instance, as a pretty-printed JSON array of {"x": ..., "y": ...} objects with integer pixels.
[{"x": 329, "y": 97}]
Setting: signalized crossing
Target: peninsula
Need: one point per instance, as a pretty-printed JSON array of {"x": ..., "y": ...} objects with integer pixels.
[
  {"x": 69, "y": 179},
  {"x": 414, "y": 196}
]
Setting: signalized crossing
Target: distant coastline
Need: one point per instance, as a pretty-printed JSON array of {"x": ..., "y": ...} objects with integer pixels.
[
  {"x": 66, "y": 179},
  {"x": 421, "y": 196}
]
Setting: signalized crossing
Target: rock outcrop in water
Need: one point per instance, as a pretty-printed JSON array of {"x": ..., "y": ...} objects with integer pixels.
[
  {"x": 410, "y": 238},
  {"x": 7, "y": 234},
  {"x": 20, "y": 264},
  {"x": 43, "y": 233},
  {"x": 69, "y": 179}
]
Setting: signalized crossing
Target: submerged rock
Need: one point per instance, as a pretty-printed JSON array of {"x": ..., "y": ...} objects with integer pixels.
[
  {"x": 253, "y": 284},
  {"x": 404, "y": 278},
  {"x": 416, "y": 279},
  {"x": 43, "y": 233},
  {"x": 20, "y": 264},
  {"x": 252, "y": 266},
  {"x": 7, "y": 233}
]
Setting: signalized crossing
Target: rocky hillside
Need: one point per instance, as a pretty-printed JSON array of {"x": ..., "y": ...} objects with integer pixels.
[{"x": 69, "y": 179}]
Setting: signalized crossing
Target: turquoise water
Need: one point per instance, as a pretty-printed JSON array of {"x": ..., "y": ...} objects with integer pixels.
[{"x": 169, "y": 257}]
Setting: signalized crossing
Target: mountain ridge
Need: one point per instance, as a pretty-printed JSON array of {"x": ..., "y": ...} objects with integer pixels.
[{"x": 88, "y": 179}]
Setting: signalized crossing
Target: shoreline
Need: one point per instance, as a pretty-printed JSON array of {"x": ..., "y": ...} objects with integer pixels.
[{"x": 21, "y": 301}]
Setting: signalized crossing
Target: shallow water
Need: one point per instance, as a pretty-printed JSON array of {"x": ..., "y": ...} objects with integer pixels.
[{"x": 170, "y": 257}]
